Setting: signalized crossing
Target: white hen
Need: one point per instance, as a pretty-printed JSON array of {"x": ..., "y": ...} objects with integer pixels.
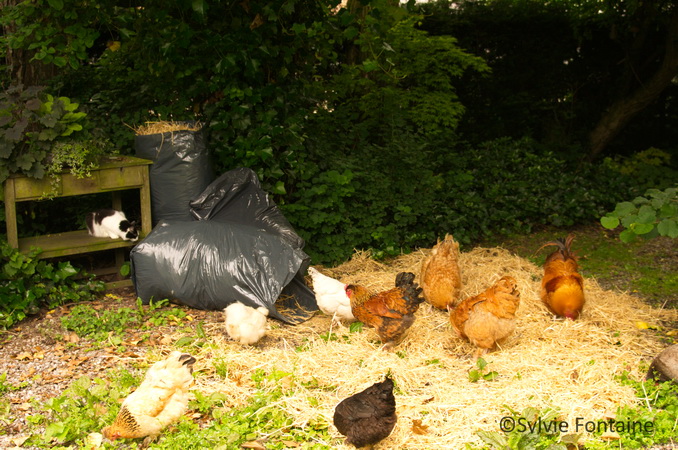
[
  {"x": 330, "y": 294},
  {"x": 245, "y": 324}
]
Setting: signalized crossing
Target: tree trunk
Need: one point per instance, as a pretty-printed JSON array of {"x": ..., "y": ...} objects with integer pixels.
[
  {"x": 21, "y": 69},
  {"x": 622, "y": 111}
]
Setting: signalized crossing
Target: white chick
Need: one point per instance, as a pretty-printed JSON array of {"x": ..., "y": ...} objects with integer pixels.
[
  {"x": 245, "y": 324},
  {"x": 330, "y": 294}
]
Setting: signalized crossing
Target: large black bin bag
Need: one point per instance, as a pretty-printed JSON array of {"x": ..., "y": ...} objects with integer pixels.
[
  {"x": 208, "y": 265},
  {"x": 180, "y": 171},
  {"x": 237, "y": 196}
]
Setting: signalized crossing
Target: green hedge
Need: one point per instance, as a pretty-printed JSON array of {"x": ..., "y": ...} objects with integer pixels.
[{"x": 397, "y": 197}]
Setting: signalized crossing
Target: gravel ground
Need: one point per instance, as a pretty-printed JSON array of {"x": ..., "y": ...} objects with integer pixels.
[{"x": 46, "y": 358}]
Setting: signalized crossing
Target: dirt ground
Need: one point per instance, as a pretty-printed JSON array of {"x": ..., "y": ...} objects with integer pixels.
[{"x": 42, "y": 354}]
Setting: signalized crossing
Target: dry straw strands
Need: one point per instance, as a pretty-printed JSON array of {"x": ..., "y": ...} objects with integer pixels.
[
  {"x": 166, "y": 127},
  {"x": 545, "y": 363}
]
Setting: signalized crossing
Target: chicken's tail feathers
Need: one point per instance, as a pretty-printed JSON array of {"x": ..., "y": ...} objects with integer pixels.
[
  {"x": 404, "y": 279},
  {"x": 187, "y": 360},
  {"x": 388, "y": 384},
  {"x": 411, "y": 290},
  {"x": 450, "y": 243},
  {"x": 564, "y": 246},
  {"x": 314, "y": 274}
]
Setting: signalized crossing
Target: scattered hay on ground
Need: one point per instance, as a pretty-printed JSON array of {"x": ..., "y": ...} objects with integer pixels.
[{"x": 546, "y": 363}]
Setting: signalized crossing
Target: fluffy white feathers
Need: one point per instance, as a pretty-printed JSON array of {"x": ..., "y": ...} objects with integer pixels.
[
  {"x": 331, "y": 296},
  {"x": 245, "y": 324}
]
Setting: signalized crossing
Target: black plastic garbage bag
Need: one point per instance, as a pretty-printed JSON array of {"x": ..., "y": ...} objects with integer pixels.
[
  {"x": 208, "y": 265},
  {"x": 237, "y": 196},
  {"x": 181, "y": 170}
]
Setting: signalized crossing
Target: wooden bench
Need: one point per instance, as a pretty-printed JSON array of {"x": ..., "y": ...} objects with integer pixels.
[{"x": 114, "y": 174}]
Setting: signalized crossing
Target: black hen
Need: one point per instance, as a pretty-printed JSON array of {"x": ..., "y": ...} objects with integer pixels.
[{"x": 369, "y": 416}]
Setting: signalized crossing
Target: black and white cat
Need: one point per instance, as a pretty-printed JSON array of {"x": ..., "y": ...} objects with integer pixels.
[{"x": 113, "y": 224}]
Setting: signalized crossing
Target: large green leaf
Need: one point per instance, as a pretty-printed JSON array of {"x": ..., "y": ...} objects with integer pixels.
[
  {"x": 624, "y": 209},
  {"x": 609, "y": 222},
  {"x": 668, "y": 227},
  {"x": 647, "y": 214},
  {"x": 627, "y": 236},
  {"x": 642, "y": 228}
]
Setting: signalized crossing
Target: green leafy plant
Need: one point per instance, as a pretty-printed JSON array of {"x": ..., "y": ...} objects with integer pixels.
[
  {"x": 653, "y": 214},
  {"x": 86, "y": 406},
  {"x": 90, "y": 404},
  {"x": 78, "y": 158},
  {"x": 28, "y": 283},
  {"x": 650, "y": 168},
  {"x": 475, "y": 375},
  {"x": 76, "y": 411},
  {"x": 108, "y": 326},
  {"x": 31, "y": 122},
  {"x": 532, "y": 429},
  {"x": 652, "y": 421},
  {"x": 62, "y": 41},
  {"x": 7, "y": 387},
  {"x": 197, "y": 340},
  {"x": 125, "y": 269}
]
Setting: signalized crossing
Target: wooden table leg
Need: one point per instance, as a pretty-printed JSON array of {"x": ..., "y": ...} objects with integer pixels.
[
  {"x": 145, "y": 201},
  {"x": 10, "y": 214}
]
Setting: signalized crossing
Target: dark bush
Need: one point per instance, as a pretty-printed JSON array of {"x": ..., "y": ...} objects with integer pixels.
[{"x": 404, "y": 195}]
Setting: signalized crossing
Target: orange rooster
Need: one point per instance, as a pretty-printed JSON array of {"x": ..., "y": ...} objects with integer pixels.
[
  {"x": 161, "y": 399},
  {"x": 489, "y": 317},
  {"x": 440, "y": 277},
  {"x": 390, "y": 312},
  {"x": 562, "y": 287}
]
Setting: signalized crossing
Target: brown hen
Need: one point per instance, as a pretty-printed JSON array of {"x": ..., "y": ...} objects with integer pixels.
[
  {"x": 161, "y": 399},
  {"x": 390, "y": 312},
  {"x": 489, "y": 317},
  {"x": 562, "y": 287},
  {"x": 440, "y": 276}
]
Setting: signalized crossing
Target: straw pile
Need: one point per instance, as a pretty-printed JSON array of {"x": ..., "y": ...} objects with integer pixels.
[
  {"x": 545, "y": 363},
  {"x": 166, "y": 127}
]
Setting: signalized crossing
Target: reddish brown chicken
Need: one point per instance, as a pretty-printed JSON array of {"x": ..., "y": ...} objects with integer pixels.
[
  {"x": 562, "y": 287},
  {"x": 489, "y": 317},
  {"x": 390, "y": 312},
  {"x": 440, "y": 277}
]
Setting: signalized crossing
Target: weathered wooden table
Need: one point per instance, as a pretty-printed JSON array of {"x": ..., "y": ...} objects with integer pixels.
[{"x": 114, "y": 174}]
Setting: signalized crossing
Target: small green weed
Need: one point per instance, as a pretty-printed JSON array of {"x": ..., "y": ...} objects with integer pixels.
[
  {"x": 6, "y": 387},
  {"x": 356, "y": 327},
  {"x": 327, "y": 337},
  {"x": 475, "y": 375},
  {"x": 221, "y": 368},
  {"x": 435, "y": 362},
  {"x": 199, "y": 339}
]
